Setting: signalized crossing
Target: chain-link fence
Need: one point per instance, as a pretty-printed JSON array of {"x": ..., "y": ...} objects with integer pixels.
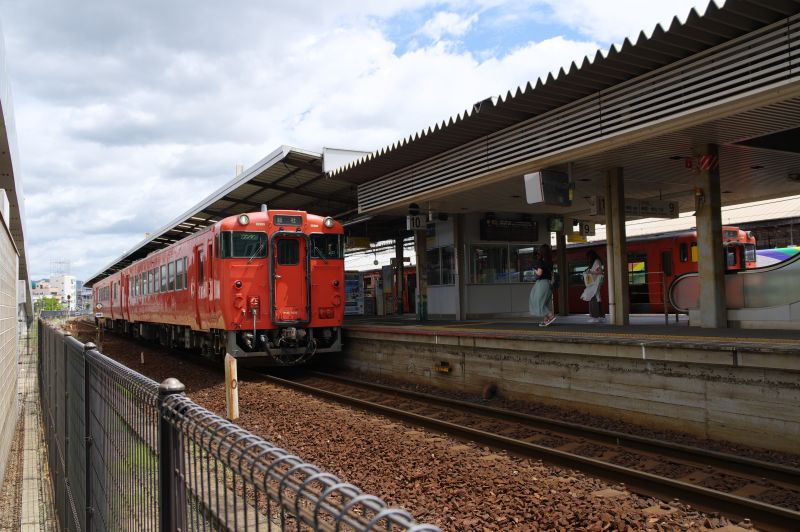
[{"x": 126, "y": 453}]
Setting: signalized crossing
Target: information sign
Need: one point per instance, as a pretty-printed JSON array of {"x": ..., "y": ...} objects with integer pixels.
[{"x": 416, "y": 222}]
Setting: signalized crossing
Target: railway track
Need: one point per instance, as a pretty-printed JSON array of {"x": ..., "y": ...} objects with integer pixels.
[{"x": 767, "y": 494}]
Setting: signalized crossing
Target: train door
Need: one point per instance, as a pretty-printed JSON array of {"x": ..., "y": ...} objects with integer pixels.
[
  {"x": 290, "y": 279},
  {"x": 734, "y": 257},
  {"x": 638, "y": 284},
  {"x": 199, "y": 287},
  {"x": 666, "y": 275},
  {"x": 124, "y": 303}
]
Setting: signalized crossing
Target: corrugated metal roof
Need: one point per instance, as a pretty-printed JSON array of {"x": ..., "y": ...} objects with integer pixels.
[
  {"x": 288, "y": 178},
  {"x": 620, "y": 64}
]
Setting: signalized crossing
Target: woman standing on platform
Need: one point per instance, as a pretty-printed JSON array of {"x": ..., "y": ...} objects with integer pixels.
[
  {"x": 593, "y": 279},
  {"x": 540, "y": 302}
]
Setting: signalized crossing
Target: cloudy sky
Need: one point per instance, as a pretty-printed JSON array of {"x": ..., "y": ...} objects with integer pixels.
[{"x": 128, "y": 113}]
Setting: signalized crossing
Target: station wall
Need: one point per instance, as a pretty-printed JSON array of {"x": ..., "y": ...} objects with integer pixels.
[
  {"x": 742, "y": 397},
  {"x": 9, "y": 264}
]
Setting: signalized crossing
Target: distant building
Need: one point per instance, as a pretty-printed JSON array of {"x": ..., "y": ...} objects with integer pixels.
[
  {"x": 65, "y": 286},
  {"x": 41, "y": 289}
]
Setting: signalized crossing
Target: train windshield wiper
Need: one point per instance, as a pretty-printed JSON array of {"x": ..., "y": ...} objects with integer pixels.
[
  {"x": 321, "y": 255},
  {"x": 256, "y": 252}
]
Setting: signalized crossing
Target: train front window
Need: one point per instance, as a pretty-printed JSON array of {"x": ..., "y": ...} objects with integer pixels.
[
  {"x": 750, "y": 252},
  {"x": 327, "y": 246},
  {"x": 730, "y": 256},
  {"x": 288, "y": 252},
  {"x": 243, "y": 245},
  {"x": 576, "y": 270}
]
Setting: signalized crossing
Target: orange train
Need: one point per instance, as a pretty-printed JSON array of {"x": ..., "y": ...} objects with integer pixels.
[
  {"x": 265, "y": 285},
  {"x": 654, "y": 261}
]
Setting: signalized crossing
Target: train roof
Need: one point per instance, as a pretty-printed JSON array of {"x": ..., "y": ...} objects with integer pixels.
[{"x": 648, "y": 238}]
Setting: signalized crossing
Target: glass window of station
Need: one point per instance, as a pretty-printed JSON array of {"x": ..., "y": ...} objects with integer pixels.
[
  {"x": 502, "y": 263},
  {"x": 506, "y": 253}
]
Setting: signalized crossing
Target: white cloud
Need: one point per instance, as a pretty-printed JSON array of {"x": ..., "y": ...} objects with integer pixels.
[
  {"x": 129, "y": 114},
  {"x": 448, "y": 24},
  {"x": 614, "y": 20}
]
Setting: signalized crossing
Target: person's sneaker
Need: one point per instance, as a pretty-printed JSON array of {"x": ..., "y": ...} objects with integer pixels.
[
  {"x": 543, "y": 324},
  {"x": 548, "y": 322},
  {"x": 592, "y": 320}
]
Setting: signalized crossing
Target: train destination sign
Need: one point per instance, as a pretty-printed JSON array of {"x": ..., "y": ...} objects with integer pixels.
[
  {"x": 492, "y": 229},
  {"x": 640, "y": 208}
]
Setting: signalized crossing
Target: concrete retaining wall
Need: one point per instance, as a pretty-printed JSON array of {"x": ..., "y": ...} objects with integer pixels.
[{"x": 748, "y": 398}]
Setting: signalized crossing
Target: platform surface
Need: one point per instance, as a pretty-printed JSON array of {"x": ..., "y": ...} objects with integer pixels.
[{"x": 644, "y": 329}]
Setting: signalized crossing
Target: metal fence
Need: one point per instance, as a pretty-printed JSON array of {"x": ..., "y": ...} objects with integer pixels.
[{"x": 126, "y": 453}]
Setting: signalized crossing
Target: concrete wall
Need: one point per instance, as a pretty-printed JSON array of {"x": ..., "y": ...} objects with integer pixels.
[
  {"x": 8, "y": 344},
  {"x": 748, "y": 398}
]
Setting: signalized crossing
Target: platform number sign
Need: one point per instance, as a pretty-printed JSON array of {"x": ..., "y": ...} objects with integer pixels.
[{"x": 416, "y": 222}]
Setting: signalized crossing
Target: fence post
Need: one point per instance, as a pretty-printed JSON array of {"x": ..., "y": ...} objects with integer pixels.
[
  {"x": 87, "y": 432},
  {"x": 168, "y": 461}
]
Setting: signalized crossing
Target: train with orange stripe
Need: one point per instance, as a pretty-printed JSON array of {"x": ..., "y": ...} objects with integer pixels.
[{"x": 264, "y": 285}]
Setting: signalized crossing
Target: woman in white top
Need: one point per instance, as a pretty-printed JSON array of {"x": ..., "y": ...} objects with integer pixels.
[{"x": 593, "y": 278}]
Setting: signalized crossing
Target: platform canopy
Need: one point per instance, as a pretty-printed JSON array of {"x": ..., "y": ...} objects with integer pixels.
[
  {"x": 287, "y": 178},
  {"x": 728, "y": 77}
]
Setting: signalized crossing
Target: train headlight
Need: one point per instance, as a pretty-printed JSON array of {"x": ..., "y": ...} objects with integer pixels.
[
  {"x": 244, "y": 219},
  {"x": 328, "y": 222}
]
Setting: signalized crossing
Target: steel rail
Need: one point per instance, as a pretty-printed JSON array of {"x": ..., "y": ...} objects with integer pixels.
[
  {"x": 763, "y": 515},
  {"x": 730, "y": 462}
]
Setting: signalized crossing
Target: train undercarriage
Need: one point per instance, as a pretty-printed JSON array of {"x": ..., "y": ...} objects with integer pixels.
[{"x": 284, "y": 346}]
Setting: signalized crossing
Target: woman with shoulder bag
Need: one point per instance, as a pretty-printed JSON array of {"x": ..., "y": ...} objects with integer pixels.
[
  {"x": 540, "y": 301},
  {"x": 593, "y": 278}
]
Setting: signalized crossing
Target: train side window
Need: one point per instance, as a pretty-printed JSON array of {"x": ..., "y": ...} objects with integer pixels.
[
  {"x": 201, "y": 266},
  {"x": 288, "y": 252},
  {"x": 185, "y": 272},
  {"x": 211, "y": 259},
  {"x": 694, "y": 251},
  {"x": 666, "y": 262},
  {"x": 684, "y": 252},
  {"x": 171, "y": 276},
  {"x": 179, "y": 274},
  {"x": 150, "y": 282},
  {"x": 164, "y": 278},
  {"x": 576, "y": 270},
  {"x": 637, "y": 269}
]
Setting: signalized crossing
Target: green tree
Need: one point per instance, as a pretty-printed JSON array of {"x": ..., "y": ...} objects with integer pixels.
[{"x": 51, "y": 303}]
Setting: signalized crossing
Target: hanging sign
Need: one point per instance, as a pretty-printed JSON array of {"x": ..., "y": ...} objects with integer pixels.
[{"x": 416, "y": 222}]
